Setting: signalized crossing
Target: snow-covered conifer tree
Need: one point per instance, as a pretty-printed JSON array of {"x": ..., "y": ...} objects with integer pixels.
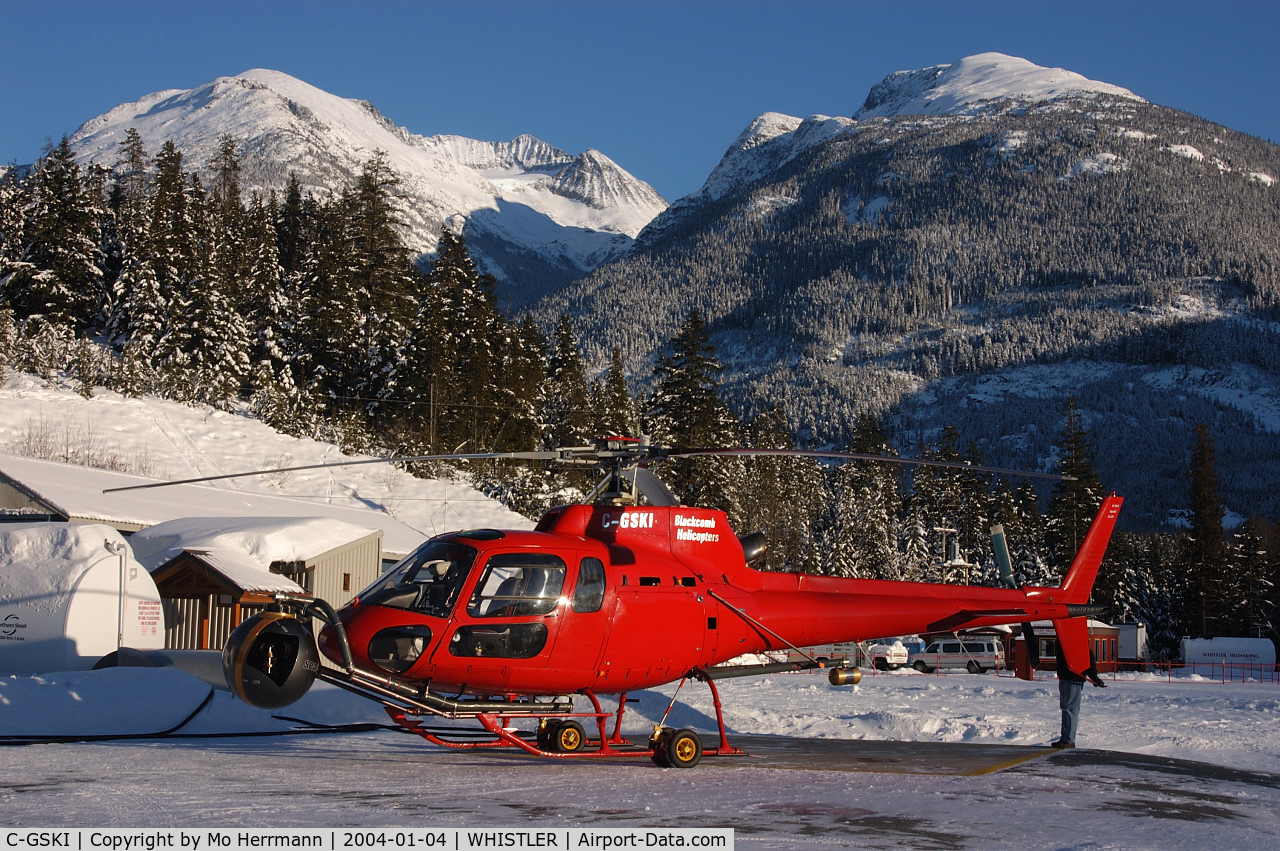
[
  {"x": 1212, "y": 599},
  {"x": 863, "y": 518},
  {"x": 1076, "y": 499},
  {"x": 615, "y": 407},
  {"x": 686, "y": 411},
  {"x": 62, "y": 249},
  {"x": 524, "y": 364},
  {"x": 6, "y": 339},
  {"x": 783, "y": 498},
  {"x": 566, "y": 401}
]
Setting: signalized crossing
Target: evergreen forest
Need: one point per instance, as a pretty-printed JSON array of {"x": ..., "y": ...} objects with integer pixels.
[
  {"x": 974, "y": 271},
  {"x": 311, "y": 314}
]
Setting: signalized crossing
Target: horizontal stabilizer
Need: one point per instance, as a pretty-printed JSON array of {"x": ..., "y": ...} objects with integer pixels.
[{"x": 967, "y": 616}]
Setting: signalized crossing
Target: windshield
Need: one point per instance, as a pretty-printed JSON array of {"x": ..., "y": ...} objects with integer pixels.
[{"x": 427, "y": 580}]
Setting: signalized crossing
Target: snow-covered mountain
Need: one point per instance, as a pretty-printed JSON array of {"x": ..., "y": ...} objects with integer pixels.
[
  {"x": 979, "y": 225},
  {"x": 983, "y": 84},
  {"x": 525, "y": 205}
]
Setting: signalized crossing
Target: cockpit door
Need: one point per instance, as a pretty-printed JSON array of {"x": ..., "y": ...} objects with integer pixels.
[{"x": 509, "y": 621}]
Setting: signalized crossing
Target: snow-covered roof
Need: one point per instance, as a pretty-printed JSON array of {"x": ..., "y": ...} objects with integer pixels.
[
  {"x": 77, "y": 493},
  {"x": 245, "y": 573},
  {"x": 243, "y": 549},
  {"x": 264, "y": 539}
]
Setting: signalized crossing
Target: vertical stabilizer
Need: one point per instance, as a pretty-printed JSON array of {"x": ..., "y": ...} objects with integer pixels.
[
  {"x": 1073, "y": 632},
  {"x": 1078, "y": 583}
]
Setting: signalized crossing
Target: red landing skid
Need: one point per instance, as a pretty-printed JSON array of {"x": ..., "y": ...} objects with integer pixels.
[{"x": 563, "y": 737}]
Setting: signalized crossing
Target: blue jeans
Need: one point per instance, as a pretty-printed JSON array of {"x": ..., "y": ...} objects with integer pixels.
[{"x": 1069, "y": 692}]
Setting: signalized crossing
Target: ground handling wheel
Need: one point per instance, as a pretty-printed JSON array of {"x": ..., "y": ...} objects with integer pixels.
[
  {"x": 566, "y": 737},
  {"x": 546, "y": 734},
  {"x": 658, "y": 744},
  {"x": 974, "y": 667},
  {"x": 676, "y": 748},
  {"x": 684, "y": 749}
]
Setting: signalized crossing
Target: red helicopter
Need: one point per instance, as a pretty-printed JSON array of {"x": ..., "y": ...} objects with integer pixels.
[{"x": 627, "y": 592}]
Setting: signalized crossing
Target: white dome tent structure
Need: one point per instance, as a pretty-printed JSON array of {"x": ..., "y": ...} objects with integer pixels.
[{"x": 70, "y": 594}]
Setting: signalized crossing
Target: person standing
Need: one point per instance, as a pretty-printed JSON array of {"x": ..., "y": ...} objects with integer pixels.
[{"x": 1070, "y": 690}]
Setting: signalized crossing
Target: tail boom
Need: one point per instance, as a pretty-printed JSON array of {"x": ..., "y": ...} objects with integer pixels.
[{"x": 811, "y": 610}]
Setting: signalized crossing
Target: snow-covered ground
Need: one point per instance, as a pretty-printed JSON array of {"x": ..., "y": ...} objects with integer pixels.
[
  {"x": 196, "y": 778},
  {"x": 166, "y": 440},
  {"x": 230, "y": 765}
]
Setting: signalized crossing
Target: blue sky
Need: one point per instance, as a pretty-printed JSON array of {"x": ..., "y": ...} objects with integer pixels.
[{"x": 661, "y": 87}]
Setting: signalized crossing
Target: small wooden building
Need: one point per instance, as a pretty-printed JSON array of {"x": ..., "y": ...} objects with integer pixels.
[
  {"x": 213, "y": 572},
  {"x": 206, "y": 595},
  {"x": 1103, "y": 643}
]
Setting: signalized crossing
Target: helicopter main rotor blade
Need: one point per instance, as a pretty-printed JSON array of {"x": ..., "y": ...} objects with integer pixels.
[
  {"x": 601, "y": 455},
  {"x": 480, "y": 456},
  {"x": 855, "y": 456}
]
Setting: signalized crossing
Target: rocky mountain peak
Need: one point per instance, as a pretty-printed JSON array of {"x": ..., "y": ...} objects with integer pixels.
[
  {"x": 978, "y": 83},
  {"x": 532, "y": 211}
]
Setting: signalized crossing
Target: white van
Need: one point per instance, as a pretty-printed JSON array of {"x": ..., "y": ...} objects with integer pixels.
[{"x": 973, "y": 653}]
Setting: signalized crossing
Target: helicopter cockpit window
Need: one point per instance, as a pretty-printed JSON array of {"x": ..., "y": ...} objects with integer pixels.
[
  {"x": 427, "y": 580},
  {"x": 500, "y": 640},
  {"x": 589, "y": 595},
  {"x": 518, "y": 584}
]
